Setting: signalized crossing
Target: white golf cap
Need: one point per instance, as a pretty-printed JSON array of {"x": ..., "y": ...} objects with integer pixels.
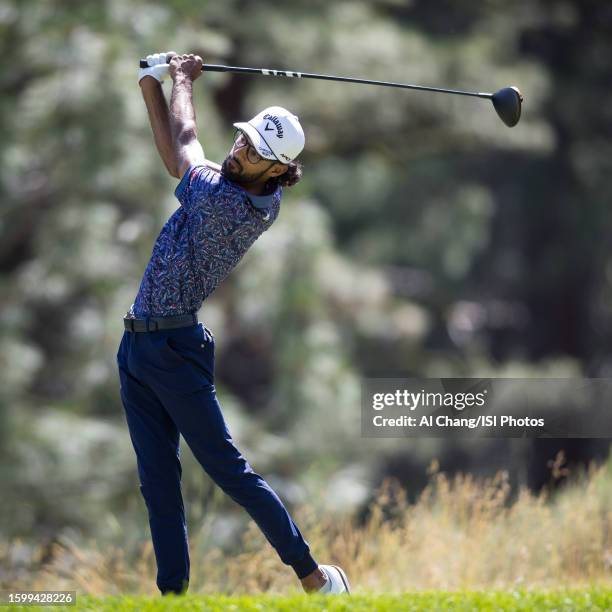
[{"x": 275, "y": 133}]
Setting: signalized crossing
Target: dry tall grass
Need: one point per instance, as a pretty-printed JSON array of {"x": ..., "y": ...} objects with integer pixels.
[{"x": 461, "y": 534}]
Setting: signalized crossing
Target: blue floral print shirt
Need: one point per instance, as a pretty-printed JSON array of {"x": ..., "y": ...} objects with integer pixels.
[{"x": 202, "y": 242}]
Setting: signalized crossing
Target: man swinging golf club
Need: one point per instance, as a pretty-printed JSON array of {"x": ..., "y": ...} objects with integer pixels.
[{"x": 166, "y": 358}]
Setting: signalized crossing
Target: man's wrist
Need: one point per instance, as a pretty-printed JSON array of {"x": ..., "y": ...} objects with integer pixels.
[
  {"x": 148, "y": 81},
  {"x": 181, "y": 77}
]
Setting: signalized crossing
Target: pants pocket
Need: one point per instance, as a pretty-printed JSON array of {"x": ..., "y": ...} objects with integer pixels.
[{"x": 193, "y": 358}]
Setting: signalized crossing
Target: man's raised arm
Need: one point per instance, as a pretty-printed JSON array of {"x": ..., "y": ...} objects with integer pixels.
[
  {"x": 184, "y": 70},
  {"x": 160, "y": 122},
  {"x": 174, "y": 143}
]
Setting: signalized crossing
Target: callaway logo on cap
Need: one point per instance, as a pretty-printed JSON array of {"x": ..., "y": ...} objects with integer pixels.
[{"x": 275, "y": 133}]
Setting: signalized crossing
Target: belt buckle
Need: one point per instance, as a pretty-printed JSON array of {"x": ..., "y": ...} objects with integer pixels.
[
  {"x": 130, "y": 323},
  {"x": 148, "y": 321}
]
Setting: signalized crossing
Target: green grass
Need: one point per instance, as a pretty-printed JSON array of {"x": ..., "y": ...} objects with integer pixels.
[{"x": 596, "y": 598}]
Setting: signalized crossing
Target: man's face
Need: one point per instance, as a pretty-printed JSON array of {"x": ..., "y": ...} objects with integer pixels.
[{"x": 243, "y": 165}]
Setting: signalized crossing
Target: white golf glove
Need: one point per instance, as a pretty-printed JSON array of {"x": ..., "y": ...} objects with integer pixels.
[{"x": 158, "y": 66}]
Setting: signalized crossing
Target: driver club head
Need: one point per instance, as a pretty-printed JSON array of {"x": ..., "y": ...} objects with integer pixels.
[{"x": 507, "y": 103}]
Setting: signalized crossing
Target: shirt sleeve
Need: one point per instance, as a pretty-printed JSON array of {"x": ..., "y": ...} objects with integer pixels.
[{"x": 196, "y": 182}]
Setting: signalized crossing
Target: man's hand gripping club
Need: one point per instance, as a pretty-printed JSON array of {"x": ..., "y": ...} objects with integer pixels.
[
  {"x": 169, "y": 63},
  {"x": 158, "y": 66}
]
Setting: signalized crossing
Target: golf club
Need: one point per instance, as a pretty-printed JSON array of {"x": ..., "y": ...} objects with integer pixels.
[{"x": 507, "y": 101}]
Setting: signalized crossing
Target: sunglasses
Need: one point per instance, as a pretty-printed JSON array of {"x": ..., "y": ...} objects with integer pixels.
[{"x": 240, "y": 140}]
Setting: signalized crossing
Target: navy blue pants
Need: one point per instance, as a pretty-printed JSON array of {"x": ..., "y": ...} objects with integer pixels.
[{"x": 167, "y": 389}]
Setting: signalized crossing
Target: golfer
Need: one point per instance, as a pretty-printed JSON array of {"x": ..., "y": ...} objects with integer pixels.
[{"x": 166, "y": 358}]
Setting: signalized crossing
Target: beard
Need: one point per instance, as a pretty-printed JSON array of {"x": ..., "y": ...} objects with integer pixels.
[{"x": 239, "y": 176}]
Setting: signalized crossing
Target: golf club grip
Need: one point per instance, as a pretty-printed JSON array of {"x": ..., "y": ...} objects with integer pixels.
[{"x": 205, "y": 67}]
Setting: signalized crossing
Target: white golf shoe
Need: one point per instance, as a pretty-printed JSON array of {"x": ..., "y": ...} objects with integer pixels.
[{"x": 337, "y": 582}]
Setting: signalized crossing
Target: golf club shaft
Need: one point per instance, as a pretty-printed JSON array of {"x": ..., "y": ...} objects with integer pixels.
[{"x": 327, "y": 77}]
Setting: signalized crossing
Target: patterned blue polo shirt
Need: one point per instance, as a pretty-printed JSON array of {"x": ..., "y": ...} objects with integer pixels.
[{"x": 202, "y": 242}]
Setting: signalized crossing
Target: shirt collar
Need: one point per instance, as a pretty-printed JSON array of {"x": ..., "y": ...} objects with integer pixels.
[{"x": 262, "y": 202}]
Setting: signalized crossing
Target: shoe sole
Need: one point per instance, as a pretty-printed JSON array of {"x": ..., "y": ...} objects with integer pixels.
[{"x": 344, "y": 578}]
